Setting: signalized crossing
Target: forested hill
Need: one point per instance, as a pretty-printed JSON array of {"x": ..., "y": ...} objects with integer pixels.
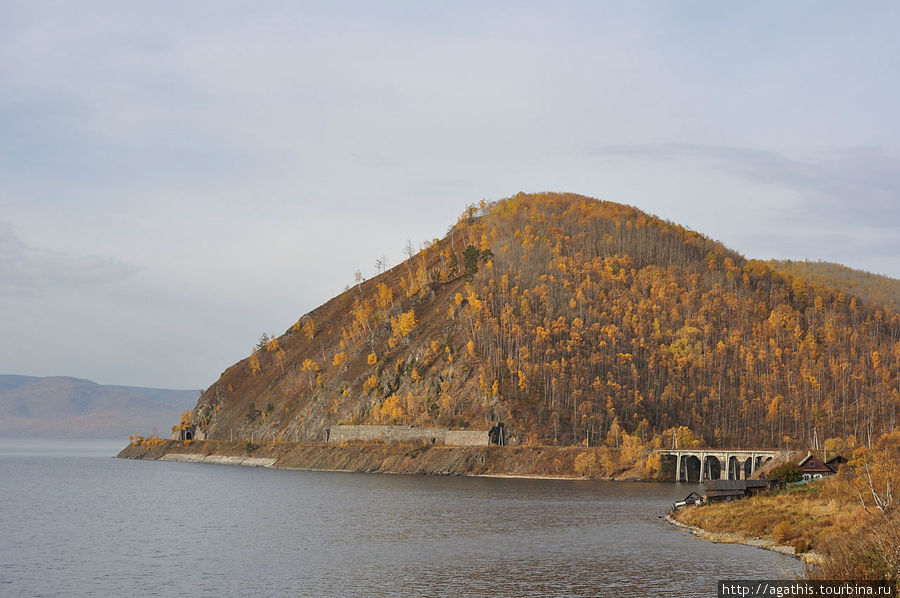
[
  {"x": 880, "y": 290},
  {"x": 574, "y": 321}
]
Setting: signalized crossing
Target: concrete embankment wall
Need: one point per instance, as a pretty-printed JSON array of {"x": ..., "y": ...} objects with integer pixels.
[
  {"x": 219, "y": 459},
  {"x": 340, "y": 434}
]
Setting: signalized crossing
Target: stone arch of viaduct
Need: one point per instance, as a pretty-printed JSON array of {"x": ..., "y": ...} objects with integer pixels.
[{"x": 722, "y": 464}]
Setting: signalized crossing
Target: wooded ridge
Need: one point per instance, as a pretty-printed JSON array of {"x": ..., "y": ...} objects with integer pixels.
[{"x": 576, "y": 321}]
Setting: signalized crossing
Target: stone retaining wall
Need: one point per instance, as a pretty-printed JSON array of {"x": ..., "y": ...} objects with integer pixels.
[
  {"x": 339, "y": 434},
  {"x": 467, "y": 438}
]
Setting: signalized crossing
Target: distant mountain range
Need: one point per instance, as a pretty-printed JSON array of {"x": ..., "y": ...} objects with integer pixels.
[{"x": 64, "y": 407}]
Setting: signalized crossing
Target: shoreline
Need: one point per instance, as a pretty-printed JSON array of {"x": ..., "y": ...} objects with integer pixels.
[
  {"x": 270, "y": 464},
  {"x": 533, "y": 462},
  {"x": 511, "y": 476},
  {"x": 734, "y": 538}
]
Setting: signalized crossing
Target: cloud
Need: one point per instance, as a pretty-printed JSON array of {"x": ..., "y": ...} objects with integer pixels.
[
  {"x": 251, "y": 159},
  {"x": 27, "y": 270},
  {"x": 858, "y": 185}
]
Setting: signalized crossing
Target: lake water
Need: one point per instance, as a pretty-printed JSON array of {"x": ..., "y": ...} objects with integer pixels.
[{"x": 76, "y": 522}]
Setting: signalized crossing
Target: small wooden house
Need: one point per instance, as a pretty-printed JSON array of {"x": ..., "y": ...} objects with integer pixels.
[
  {"x": 719, "y": 490},
  {"x": 814, "y": 468}
]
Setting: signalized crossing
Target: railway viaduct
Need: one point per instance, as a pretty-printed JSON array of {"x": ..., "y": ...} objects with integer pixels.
[{"x": 721, "y": 464}]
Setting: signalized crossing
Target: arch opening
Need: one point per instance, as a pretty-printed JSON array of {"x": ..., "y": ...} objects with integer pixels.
[
  {"x": 747, "y": 468},
  {"x": 691, "y": 468},
  {"x": 713, "y": 469}
]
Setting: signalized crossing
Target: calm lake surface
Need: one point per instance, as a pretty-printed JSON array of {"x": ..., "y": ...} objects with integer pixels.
[{"x": 76, "y": 522}]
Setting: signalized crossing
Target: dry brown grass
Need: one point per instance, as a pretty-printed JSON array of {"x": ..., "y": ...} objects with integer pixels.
[
  {"x": 809, "y": 517},
  {"x": 872, "y": 552}
]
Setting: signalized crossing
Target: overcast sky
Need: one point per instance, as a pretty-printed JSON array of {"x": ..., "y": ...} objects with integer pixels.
[{"x": 178, "y": 177}]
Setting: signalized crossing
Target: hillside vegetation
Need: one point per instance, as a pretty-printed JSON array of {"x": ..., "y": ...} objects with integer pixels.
[
  {"x": 575, "y": 321},
  {"x": 877, "y": 289}
]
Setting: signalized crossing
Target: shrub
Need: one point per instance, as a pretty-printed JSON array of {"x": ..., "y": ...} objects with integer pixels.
[
  {"x": 782, "y": 532},
  {"x": 868, "y": 553},
  {"x": 786, "y": 474},
  {"x": 801, "y": 545}
]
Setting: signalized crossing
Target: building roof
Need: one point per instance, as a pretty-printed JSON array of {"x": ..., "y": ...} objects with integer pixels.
[
  {"x": 734, "y": 484},
  {"x": 812, "y": 464},
  {"x": 718, "y": 493}
]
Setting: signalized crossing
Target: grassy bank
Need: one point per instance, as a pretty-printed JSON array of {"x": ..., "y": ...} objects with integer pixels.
[
  {"x": 824, "y": 520},
  {"x": 807, "y": 518},
  {"x": 850, "y": 520}
]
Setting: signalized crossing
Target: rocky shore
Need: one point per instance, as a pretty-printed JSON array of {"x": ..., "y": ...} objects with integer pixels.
[
  {"x": 733, "y": 538},
  {"x": 400, "y": 458}
]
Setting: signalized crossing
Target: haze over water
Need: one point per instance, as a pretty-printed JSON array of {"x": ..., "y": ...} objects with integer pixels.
[{"x": 77, "y": 522}]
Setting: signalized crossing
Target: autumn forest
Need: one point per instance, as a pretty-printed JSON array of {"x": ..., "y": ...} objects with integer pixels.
[{"x": 578, "y": 321}]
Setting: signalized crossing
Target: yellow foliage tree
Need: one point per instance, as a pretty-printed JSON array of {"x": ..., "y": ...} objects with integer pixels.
[
  {"x": 609, "y": 461},
  {"x": 403, "y": 324},
  {"x": 311, "y": 368},
  {"x": 652, "y": 466},
  {"x": 384, "y": 297},
  {"x": 370, "y": 384},
  {"x": 389, "y": 410},
  {"x": 876, "y": 473},
  {"x": 586, "y": 463},
  {"x": 633, "y": 452}
]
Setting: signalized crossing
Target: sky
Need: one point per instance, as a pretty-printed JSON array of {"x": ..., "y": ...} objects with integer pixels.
[{"x": 177, "y": 178}]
